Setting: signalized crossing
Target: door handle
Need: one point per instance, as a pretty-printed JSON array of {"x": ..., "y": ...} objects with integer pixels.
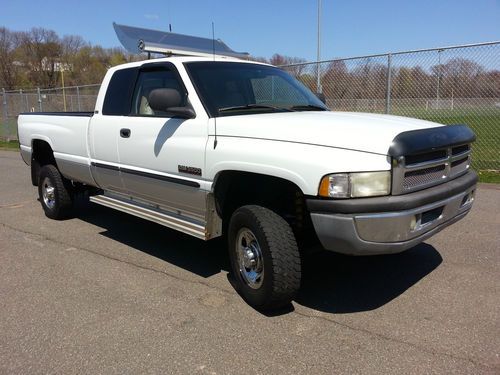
[{"x": 125, "y": 133}]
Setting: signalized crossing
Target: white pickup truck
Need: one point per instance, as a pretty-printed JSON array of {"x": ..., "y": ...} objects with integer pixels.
[{"x": 213, "y": 146}]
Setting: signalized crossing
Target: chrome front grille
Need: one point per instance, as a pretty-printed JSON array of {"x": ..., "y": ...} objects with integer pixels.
[
  {"x": 419, "y": 171},
  {"x": 423, "y": 176}
]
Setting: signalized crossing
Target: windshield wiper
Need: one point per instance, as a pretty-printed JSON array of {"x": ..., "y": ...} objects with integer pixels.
[
  {"x": 253, "y": 106},
  {"x": 308, "y": 107}
]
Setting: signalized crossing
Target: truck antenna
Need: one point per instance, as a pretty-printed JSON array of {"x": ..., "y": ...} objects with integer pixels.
[
  {"x": 213, "y": 39},
  {"x": 213, "y": 49}
]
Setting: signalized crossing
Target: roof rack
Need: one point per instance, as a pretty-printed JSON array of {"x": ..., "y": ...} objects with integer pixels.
[{"x": 137, "y": 40}]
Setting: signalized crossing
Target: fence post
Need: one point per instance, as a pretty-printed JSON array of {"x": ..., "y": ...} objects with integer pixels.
[
  {"x": 438, "y": 104},
  {"x": 4, "y": 112},
  {"x": 4, "y": 102},
  {"x": 21, "y": 100},
  {"x": 78, "y": 98},
  {"x": 39, "y": 99},
  {"x": 389, "y": 84}
]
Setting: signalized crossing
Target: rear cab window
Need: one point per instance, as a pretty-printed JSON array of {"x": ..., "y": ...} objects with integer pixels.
[{"x": 119, "y": 92}]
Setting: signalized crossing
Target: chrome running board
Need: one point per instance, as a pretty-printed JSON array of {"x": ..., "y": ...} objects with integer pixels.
[{"x": 157, "y": 216}]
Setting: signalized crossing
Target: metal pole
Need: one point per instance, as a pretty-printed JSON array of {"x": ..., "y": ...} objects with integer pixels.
[
  {"x": 438, "y": 79},
  {"x": 21, "y": 100},
  {"x": 39, "y": 99},
  {"x": 4, "y": 102},
  {"x": 63, "y": 90},
  {"x": 389, "y": 85},
  {"x": 78, "y": 98},
  {"x": 319, "y": 89}
]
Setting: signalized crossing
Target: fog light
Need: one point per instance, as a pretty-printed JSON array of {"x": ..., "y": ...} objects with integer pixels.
[
  {"x": 468, "y": 199},
  {"x": 413, "y": 222}
]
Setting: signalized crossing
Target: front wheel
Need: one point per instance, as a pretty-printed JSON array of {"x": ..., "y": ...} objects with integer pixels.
[
  {"x": 265, "y": 259},
  {"x": 55, "y": 193}
]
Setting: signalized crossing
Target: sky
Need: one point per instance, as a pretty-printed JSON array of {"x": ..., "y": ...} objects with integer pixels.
[{"x": 265, "y": 27}]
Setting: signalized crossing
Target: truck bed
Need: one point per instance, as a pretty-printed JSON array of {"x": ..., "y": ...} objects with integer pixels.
[{"x": 65, "y": 132}]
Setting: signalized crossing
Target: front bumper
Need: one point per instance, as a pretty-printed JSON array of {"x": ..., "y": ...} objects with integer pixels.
[{"x": 382, "y": 225}]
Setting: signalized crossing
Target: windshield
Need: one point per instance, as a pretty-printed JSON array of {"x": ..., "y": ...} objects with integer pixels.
[{"x": 232, "y": 88}]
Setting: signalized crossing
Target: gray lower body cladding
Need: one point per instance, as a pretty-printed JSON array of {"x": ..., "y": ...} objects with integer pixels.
[
  {"x": 396, "y": 225},
  {"x": 25, "y": 154}
]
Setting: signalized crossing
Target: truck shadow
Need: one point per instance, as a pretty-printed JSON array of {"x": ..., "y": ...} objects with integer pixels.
[
  {"x": 331, "y": 282},
  {"x": 201, "y": 258},
  {"x": 341, "y": 284}
]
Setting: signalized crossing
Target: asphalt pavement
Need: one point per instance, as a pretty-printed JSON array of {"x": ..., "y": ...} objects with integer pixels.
[{"x": 108, "y": 293}]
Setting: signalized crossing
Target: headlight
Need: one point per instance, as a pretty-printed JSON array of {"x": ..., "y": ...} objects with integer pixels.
[{"x": 355, "y": 185}]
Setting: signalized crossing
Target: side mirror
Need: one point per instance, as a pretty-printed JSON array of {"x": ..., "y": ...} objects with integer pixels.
[
  {"x": 169, "y": 100},
  {"x": 321, "y": 97}
]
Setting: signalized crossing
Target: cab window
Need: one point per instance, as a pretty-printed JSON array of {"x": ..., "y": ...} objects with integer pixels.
[
  {"x": 150, "y": 80},
  {"x": 119, "y": 92}
]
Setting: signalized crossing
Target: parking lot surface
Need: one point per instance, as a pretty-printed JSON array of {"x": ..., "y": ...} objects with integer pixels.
[{"x": 107, "y": 293}]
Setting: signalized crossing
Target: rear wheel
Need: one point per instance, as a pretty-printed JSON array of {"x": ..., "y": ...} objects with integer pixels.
[
  {"x": 55, "y": 193},
  {"x": 265, "y": 259}
]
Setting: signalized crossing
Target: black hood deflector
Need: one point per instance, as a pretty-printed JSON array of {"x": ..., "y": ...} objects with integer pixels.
[{"x": 425, "y": 140}]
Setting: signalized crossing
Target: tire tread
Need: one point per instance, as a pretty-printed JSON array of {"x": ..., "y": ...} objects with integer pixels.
[
  {"x": 284, "y": 253},
  {"x": 64, "y": 198}
]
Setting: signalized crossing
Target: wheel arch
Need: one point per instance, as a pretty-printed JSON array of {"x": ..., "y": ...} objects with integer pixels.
[
  {"x": 233, "y": 189},
  {"x": 227, "y": 180},
  {"x": 42, "y": 154}
]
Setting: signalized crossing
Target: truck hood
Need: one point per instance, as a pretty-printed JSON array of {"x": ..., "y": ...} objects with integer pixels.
[{"x": 355, "y": 131}]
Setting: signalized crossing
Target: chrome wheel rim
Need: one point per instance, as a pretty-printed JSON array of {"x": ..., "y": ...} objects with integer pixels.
[
  {"x": 48, "y": 193},
  {"x": 250, "y": 259}
]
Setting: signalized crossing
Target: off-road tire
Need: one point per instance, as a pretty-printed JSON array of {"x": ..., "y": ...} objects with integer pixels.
[
  {"x": 281, "y": 257},
  {"x": 62, "y": 196}
]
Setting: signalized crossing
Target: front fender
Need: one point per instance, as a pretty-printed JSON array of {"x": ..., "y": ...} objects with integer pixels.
[{"x": 302, "y": 164}]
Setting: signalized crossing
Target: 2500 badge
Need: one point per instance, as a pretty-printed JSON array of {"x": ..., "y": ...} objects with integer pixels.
[{"x": 189, "y": 170}]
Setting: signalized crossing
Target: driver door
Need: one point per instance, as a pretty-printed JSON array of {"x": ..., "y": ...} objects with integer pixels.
[{"x": 162, "y": 157}]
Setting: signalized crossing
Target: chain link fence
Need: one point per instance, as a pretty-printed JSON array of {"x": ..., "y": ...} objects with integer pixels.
[
  {"x": 449, "y": 85},
  {"x": 446, "y": 85},
  {"x": 68, "y": 99}
]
